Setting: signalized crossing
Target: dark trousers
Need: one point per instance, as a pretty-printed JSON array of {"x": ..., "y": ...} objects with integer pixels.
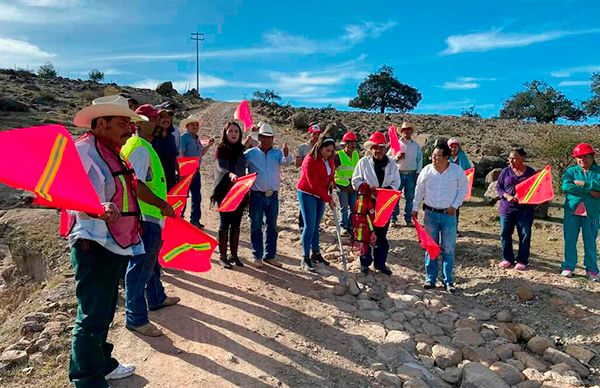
[
  {"x": 196, "y": 193},
  {"x": 97, "y": 272},
  {"x": 522, "y": 221},
  {"x": 229, "y": 230},
  {"x": 379, "y": 252}
]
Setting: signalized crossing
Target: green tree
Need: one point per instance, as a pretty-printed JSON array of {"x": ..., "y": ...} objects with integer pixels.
[
  {"x": 267, "y": 96},
  {"x": 470, "y": 112},
  {"x": 381, "y": 90},
  {"x": 592, "y": 106},
  {"x": 96, "y": 75},
  {"x": 542, "y": 103},
  {"x": 47, "y": 70}
]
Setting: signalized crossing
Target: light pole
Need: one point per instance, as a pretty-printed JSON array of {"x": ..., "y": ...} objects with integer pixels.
[{"x": 197, "y": 36}]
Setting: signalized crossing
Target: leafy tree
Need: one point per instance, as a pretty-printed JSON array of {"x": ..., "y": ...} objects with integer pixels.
[
  {"x": 96, "y": 75},
  {"x": 592, "y": 106},
  {"x": 542, "y": 103},
  {"x": 470, "y": 112},
  {"x": 382, "y": 91},
  {"x": 47, "y": 70},
  {"x": 267, "y": 96}
]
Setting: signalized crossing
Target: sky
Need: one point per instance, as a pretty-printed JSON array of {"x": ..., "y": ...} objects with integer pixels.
[{"x": 458, "y": 54}]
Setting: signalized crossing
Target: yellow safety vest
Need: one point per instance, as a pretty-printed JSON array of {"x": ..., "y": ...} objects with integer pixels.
[{"x": 343, "y": 173}]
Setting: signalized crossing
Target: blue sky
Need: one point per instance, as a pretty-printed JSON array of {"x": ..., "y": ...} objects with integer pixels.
[{"x": 315, "y": 53}]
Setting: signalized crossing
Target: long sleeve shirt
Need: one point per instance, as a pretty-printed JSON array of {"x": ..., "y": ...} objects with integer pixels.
[
  {"x": 364, "y": 172},
  {"x": 575, "y": 194},
  {"x": 507, "y": 182},
  {"x": 267, "y": 166},
  {"x": 462, "y": 160},
  {"x": 441, "y": 190},
  {"x": 413, "y": 156}
]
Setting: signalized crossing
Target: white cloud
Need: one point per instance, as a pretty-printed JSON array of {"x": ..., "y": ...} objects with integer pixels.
[
  {"x": 496, "y": 38},
  {"x": 50, "y": 3},
  {"x": 21, "y": 54},
  {"x": 575, "y": 70},
  {"x": 185, "y": 84},
  {"x": 574, "y": 83},
  {"x": 465, "y": 83},
  {"x": 452, "y": 105},
  {"x": 356, "y": 33},
  {"x": 327, "y": 100},
  {"x": 25, "y": 12}
]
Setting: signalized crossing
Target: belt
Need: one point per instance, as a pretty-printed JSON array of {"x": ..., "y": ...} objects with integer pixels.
[
  {"x": 431, "y": 209},
  {"x": 267, "y": 194}
]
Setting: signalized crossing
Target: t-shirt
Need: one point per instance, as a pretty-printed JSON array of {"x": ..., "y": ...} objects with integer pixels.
[
  {"x": 304, "y": 149},
  {"x": 507, "y": 181},
  {"x": 380, "y": 169}
]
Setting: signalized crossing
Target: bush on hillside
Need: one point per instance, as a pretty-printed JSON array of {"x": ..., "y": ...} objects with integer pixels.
[
  {"x": 96, "y": 75},
  {"x": 47, "y": 70}
]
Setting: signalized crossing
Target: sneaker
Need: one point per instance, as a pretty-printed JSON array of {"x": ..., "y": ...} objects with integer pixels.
[
  {"x": 317, "y": 258},
  {"x": 428, "y": 285},
  {"x": 521, "y": 267},
  {"x": 236, "y": 260},
  {"x": 149, "y": 330},
  {"x": 505, "y": 264},
  {"x": 567, "y": 273},
  {"x": 225, "y": 263},
  {"x": 364, "y": 270},
  {"x": 592, "y": 276},
  {"x": 385, "y": 270},
  {"x": 257, "y": 263},
  {"x": 307, "y": 265},
  {"x": 120, "y": 372},
  {"x": 273, "y": 262},
  {"x": 450, "y": 288}
]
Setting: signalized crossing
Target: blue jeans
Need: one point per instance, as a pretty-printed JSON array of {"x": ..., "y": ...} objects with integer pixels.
[
  {"x": 196, "y": 194},
  {"x": 589, "y": 230},
  {"x": 312, "y": 209},
  {"x": 441, "y": 227},
  {"x": 143, "y": 288},
  {"x": 347, "y": 202},
  {"x": 380, "y": 251},
  {"x": 408, "y": 183},
  {"x": 263, "y": 209},
  {"x": 523, "y": 222}
]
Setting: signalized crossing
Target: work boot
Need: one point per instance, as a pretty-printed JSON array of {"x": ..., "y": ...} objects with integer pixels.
[
  {"x": 223, "y": 249},
  {"x": 317, "y": 258},
  {"x": 307, "y": 264},
  {"x": 148, "y": 330}
]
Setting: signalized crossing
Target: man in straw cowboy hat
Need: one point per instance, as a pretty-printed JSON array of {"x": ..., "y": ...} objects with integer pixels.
[
  {"x": 377, "y": 170},
  {"x": 102, "y": 244},
  {"x": 266, "y": 161},
  {"x": 143, "y": 288},
  {"x": 192, "y": 147},
  {"x": 410, "y": 163}
]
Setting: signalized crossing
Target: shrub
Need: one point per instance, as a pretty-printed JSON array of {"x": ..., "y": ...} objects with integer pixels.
[
  {"x": 47, "y": 71},
  {"x": 96, "y": 75}
]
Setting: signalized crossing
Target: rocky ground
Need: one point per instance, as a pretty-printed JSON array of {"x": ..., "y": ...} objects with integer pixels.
[{"x": 284, "y": 327}]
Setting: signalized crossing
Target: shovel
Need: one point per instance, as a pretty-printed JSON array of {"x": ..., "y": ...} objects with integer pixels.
[{"x": 345, "y": 282}]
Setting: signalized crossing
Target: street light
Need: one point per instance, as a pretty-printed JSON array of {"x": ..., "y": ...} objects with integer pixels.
[{"x": 197, "y": 36}]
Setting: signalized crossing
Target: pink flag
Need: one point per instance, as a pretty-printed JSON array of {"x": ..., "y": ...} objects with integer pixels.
[
  {"x": 243, "y": 114},
  {"x": 188, "y": 165},
  {"x": 428, "y": 243},
  {"x": 394, "y": 141},
  {"x": 237, "y": 193},
  {"x": 185, "y": 246}
]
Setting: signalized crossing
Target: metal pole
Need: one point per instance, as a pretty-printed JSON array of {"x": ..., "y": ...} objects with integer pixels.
[{"x": 197, "y": 36}]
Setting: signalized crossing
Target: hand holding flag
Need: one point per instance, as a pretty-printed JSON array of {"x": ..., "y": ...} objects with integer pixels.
[
  {"x": 432, "y": 248},
  {"x": 536, "y": 189},
  {"x": 237, "y": 193},
  {"x": 394, "y": 141},
  {"x": 384, "y": 205},
  {"x": 470, "y": 173},
  {"x": 242, "y": 113}
]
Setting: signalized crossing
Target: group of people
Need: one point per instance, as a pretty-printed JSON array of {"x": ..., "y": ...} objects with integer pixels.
[{"x": 129, "y": 154}]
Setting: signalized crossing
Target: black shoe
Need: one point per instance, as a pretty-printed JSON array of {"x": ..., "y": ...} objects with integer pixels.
[
  {"x": 307, "y": 264},
  {"x": 450, "y": 288},
  {"x": 236, "y": 260},
  {"x": 364, "y": 270},
  {"x": 428, "y": 285},
  {"x": 317, "y": 258},
  {"x": 197, "y": 225},
  {"x": 225, "y": 263},
  {"x": 385, "y": 270}
]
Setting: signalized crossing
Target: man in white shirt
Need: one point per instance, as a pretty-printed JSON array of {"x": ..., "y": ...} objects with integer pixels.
[
  {"x": 441, "y": 187},
  {"x": 410, "y": 163}
]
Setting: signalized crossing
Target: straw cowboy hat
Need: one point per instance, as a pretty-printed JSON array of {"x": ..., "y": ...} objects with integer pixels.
[
  {"x": 191, "y": 119},
  {"x": 376, "y": 139},
  {"x": 265, "y": 129},
  {"x": 106, "y": 106},
  {"x": 406, "y": 125}
]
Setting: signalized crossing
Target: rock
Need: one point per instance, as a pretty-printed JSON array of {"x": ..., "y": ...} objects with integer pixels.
[
  {"x": 504, "y": 316},
  {"x": 401, "y": 338},
  {"x": 431, "y": 329},
  {"x": 53, "y": 329},
  {"x": 539, "y": 344},
  {"x": 530, "y": 361},
  {"x": 415, "y": 383},
  {"x": 424, "y": 348},
  {"x": 523, "y": 331},
  {"x": 353, "y": 288},
  {"x": 534, "y": 375},
  {"x": 388, "y": 379},
  {"x": 391, "y": 352},
  {"x": 507, "y": 372},
  {"x": 504, "y": 332},
  {"x": 467, "y": 322},
  {"x": 580, "y": 353},
  {"x": 487, "y": 164},
  {"x": 31, "y": 327},
  {"x": 567, "y": 379},
  {"x": 556, "y": 356},
  {"x": 451, "y": 375},
  {"x": 488, "y": 334},
  {"x": 467, "y": 337},
  {"x": 529, "y": 384},
  {"x": 505, "y": 351},
  {"x": 357, "y": 347},
  {"x": 339, "y": 290},
  {"x": 480, "y": 315},
  {"x": 366, "y": 304},
  {"x": 37, "y": 317},
  {"x": 13, "y": 357},
  {"x": 407, "y": 372},
  {"x": 490, "y": 196},
  {"x": 492, "y": 176},
  {"x": 426, "y": 361},
  {"x": 166, "y": 88},
  {"x": 376, "y": 366},
  {"x": 445, "y": 356},
  {"x": 476, "y": 375},
  {"x": 524, "y": 293},
  {"x": 399, "y": 317},
  {"x": 516, "y": 363},
  {"x": 10, "y": 105},
  {"x": 372, "y": 315},
  {"x": 479, "y": 354},
  {"x": 390, "y": 324},
  {"x": 300, "y": 121},
  {"x": 335, "y": 130}
]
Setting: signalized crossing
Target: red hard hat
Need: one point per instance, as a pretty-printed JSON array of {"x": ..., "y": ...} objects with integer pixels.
[
  {"x": 378, "y": 138},
  {"x": 348, "y": 136},
  {"x": 583, "y": 149}
]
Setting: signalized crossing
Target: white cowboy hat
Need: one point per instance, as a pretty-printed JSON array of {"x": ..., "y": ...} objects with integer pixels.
[
  {"x": 191, "y": 118},
  {"x": 106, "y": 106},
  {"x": 265, "y": 129},
  {"x": 406, "y": 125}
]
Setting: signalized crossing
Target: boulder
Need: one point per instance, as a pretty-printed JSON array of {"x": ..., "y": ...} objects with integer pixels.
[
  {"x": 556, "y": 357},
  {"x": 487, "y": 164},
  {"x": 467, "y": 337},
  {"x": 13, "y": 357},
  {"x": 335, "y": 130},
  {"x": 476, "y": 375},
  {"x": 480, "y": 315},
  {"x": 415, "y": 383},
  {"x": 393, "y": 353},
  {"x": 401, "y": 338},
  {"x": 166, "y": 88},
  {"x": 492, "y": 176},
  {"x": 388, "y": 379},
  {"x": 507, "y": 372},
  {"x": 504, "y": 316},
  {"x": 446, "y": 356},
  {"x": 451, "y": 375},
  {"x": 479, "y": 354},
  {"x": 580, "y": 353},
  {"x": 539, "y": 344},
  {"x": 10, "y": 105},
  {"x": 490, "y": 196},
  {"x": 300, "y": 121},
  {"x": 530, "y": 361}
]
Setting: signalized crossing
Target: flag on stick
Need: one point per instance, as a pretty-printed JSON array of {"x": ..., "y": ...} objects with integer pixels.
[
  {"x": 44, "y": 160},
  {"x": 432, "y": 248},
  {"x": 182, "y": 187},
  {"x": 470, "y": 173},
  {"x": 237, "y": 193},
  {"x": 242, "y": 113},
  {"x": 188, "y": 165},
  {"x": 177, "y": 202},
  {"x": 394, "y": 141},
  {"x": 185, "y": 247},
  {"x": 384, "y": 206},
  {"x": 536, "y": 189}
]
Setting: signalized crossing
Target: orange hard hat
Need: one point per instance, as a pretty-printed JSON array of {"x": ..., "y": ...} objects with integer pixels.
[{"x": 582, "y": 149}]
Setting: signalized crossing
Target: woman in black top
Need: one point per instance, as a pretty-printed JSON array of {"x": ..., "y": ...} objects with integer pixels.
[{"x": 231, "y": 164}]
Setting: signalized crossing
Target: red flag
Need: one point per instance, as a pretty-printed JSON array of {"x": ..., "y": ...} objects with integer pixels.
[
  {"x": 188, "y": 165},
  {"x": 394, "y": 141},
  {"x": 44, "y": 160},
  {"x": 177, "y": 202},
  {"x": 384, "y": 206},
  {"x": 185, "y": 247},
  {"x": 470, "y": 173},
  {"x": 183, "y": 187},
  {"x": 429, "y": 244},
  {"x": 536, "y": 189},
  {"x": 242, "y": 113},
  {"x": 237, "y": 192}
]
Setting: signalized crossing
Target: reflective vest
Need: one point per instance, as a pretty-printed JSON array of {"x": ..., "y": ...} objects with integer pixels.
[
  {"x": 157, "y": 184},
  {"x": 343, "y": 173}
]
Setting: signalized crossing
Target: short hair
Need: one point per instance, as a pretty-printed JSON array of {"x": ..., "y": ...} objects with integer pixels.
[
  {"x": 519, "y": 151},
  {"x": 445, "y": 149},
  {"x": 94, "y": 122}
]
